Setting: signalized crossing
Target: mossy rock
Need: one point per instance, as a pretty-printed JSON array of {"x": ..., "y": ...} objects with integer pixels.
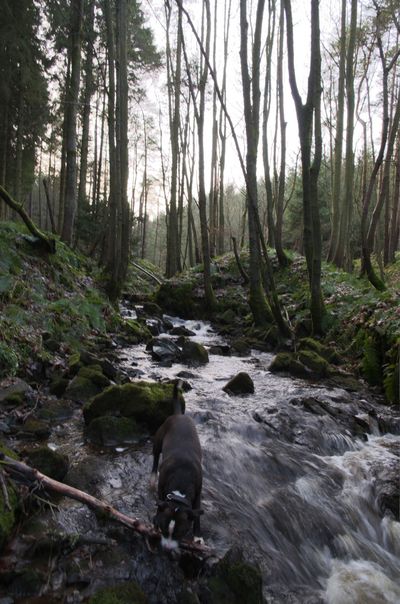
[
  {"x": 313, "y": 361},
  {"x": 127, "y": 593},
  {"x": 136, "y": 331},
  {"x": 177, "y": 296},
  {"x": 34, "y": 429},
  {"x": 194, "y": 353},
  {"x": 48, "y": 462},
  {"x": 241, "y": 346},
  {"x": 240, "y": 384},
  {"x": 14, "y": 394},
  {"x": 149, "y": 403},
  {"x": 286, "y": 362},
  {"x": 329, "y": 354},
  {"x": 235, "y": 581},
  {"x": 74, "y": 363},
  {"x": 58, "y": 386},
  {"x": 55, "y": 411},
  {"x": 87, "y": 383},
  {"x": 113, "y": 431}
]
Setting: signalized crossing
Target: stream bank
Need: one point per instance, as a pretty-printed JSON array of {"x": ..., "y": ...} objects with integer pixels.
[{"x": 299, "y": 480}]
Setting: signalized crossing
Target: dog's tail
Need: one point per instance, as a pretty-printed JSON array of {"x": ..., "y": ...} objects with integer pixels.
[{"x": 178, "y": 406}]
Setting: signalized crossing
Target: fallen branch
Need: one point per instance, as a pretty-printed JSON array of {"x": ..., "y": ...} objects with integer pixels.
[
  {"x": 146, "y": 272},
  {"x": 21, "y": 472},
  {"x": 48, "y": 243}
]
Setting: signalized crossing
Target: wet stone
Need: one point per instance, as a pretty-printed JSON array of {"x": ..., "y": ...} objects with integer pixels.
[{"x": 240, "y": 384}]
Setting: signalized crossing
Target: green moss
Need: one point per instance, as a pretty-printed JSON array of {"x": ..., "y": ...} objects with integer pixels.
[
  {"x": 87, "y": 383},
  {"x": 149, "y": 403},
  {"x": 371, "y": 364},
  {"x": 112, "y": 431},
  {"x": 34, "y": 428},
  {"x": 138, "y": 332},
  {"x": 236, "y": 582},
  {"x": 177, "y": 296},
  {"x": 286, "y": 362},
  {"x": 9, "y": 361},
  {"x": 326, "y": 352},
  {"x": 48, "y": 462},
  {"x": 127, "y": 593},
  {"x": 58, "y": 386},
  {"x": 313, "y": 361},
  {"x": 194, "y": 353}
]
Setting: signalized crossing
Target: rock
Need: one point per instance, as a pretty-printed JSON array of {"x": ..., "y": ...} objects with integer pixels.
[
  {"x": 149, "y": 403},
  {"x": 181, "y": 330},
  {"x": 187, "y": 375},
  {"x": 135, "y": 331},
  {"x": 26, "y": 583},
  {"x": 222, "y": 350},
  {"x": 155, "y": 326},
  {"x": 164, "y": 350},
  {"x": 194, "y": 354},
  {"x": 13, "y": 393},
  {"x": 241, "y": 347},
  {"x": 113, "y": 431},
  {"x": 58, "y": 386},
  {"x": 152, "y": 309},
  {"x": 86, "y": 475},
  {"x": 235, "y": 581},
  {"x": 34, "y": 429},
  {"x": 329, "y": 354},
  {"x": 240, "y": 384},
  {"x": 48, "y": 462},
  {"x": 285, "y": 362},
  {"x": 167, "y": 323},
  {"x": 109, "y": 370},
  {"x": 125, "y": 593},
  {"x": 313, "y": 361},
  {"x": 55, "y": 411},
  {"x": 87, "y": 383}
]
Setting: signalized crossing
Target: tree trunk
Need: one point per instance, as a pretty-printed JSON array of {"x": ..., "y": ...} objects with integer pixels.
[{"x": 72, "y": 99}]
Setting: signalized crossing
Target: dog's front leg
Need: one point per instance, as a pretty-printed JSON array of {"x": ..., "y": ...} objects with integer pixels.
[{"x": 157, "y": 448}]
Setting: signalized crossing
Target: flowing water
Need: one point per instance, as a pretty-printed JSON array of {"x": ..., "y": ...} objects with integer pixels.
[{"x": 286, "y": 478}]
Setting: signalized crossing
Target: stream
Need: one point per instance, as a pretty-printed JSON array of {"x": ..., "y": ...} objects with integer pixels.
[{"x": 288, "y": 478}]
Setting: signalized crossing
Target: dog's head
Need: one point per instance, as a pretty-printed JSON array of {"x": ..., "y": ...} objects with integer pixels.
[{"x": 174, "y": 521}]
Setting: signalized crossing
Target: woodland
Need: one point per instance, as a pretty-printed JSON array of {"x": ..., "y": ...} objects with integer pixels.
[{"x": 235, "y": 162}]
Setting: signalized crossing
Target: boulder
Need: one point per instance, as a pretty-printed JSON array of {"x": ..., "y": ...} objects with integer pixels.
[
  {"x": 181, "y": 330},
  {"x": 241, "y": 347},
  {"x": 234, "y": 581},
  {"x": 194, "y": 353},
  {"x": 327, "y": 352},
  {"x": 113, "y": 431},
  {"x": 286, "y": 362},
  {"x": 87, "y": 383},
  {"x": 164, "y": 350},
  {"x": 34, "y": 429},
  {"x": 48, "y": 462},
  {"x": 125, "y": 593},
  {"x": 313, "y": 361},
  {"x": 240, "y": 384},
  {"x": 12, "y": 393},
  {"x": 149, "y": 403}
]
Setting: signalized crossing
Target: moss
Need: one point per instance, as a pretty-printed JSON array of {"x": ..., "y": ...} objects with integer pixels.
[
  {"x": 87, "y": 383},
  {"x": 313, "y": 361},
  {"x": 136, "y": 331},
  {"x": 48, "y": 462},
  {"x": 34, "y": 428},
  {"x": 112, "y": 431},
  {"x": 74, "y": 363},
  {"x": 236, "y": 582},
  {"x": 194, "y": 353},
  {"x": 9, "y": 361},
  {"x": 326, "y": 352},
  {"x": 286, "y": 362},
  {"x": 177, "y": 296},
  {"x": 149, "y": 403},
  {"x": 127, "y": 593},
  {"x": 371, "y": 364},
  {"x": 58, "y": 386}
]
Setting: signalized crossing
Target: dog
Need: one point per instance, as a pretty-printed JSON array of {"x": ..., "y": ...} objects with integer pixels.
[{"x": 180, "y": 476}]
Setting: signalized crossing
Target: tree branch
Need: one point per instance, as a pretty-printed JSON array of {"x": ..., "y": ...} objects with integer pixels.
[{"x": 23, "y": 473}]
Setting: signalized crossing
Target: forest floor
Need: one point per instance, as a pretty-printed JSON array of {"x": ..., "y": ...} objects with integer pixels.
[{"x": 56, "y": 325}]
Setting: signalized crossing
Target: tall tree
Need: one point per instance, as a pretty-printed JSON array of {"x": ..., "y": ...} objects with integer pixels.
[
  {"x": 71, "y": 112},
  {"x": 309, "y": 120}
]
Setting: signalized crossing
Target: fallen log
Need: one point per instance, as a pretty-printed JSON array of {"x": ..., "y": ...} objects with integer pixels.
[
  {"x": 22, "y": 473},
  {"x": 48, "y": 243}
]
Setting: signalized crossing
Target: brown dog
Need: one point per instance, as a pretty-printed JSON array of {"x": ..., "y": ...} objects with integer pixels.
[{"x": 180, "y": 476}]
